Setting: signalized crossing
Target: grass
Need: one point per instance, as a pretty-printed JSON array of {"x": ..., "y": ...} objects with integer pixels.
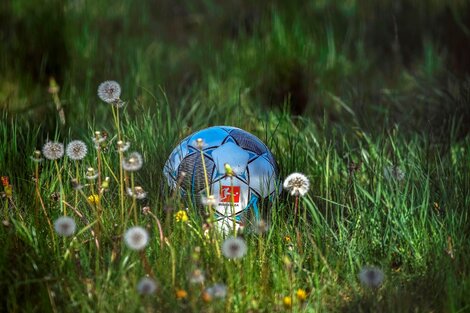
[{"x": 326, "y": 87}]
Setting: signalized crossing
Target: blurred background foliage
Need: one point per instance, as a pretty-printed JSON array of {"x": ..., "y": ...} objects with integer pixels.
[{"x": 365, "y": 63}]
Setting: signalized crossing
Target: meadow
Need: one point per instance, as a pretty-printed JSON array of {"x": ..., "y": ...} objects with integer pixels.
[{"x": 369, "y": 101}]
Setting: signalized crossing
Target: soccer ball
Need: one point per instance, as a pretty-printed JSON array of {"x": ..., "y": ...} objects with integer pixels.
[{"x": 239, "y": 198}]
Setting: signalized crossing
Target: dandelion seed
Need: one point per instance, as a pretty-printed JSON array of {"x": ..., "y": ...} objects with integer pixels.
[
  {"x": 301, "y": 294},
  {"x": 234, "y": 248},
  {"x": 53, "y": 150},
  {"x": 297, "y": 184},
  {"x": 36, "y": 157},
  {"x": 181, "y": 294},
  {"x": 136, "y": 192},
  {"x": 218, "y": 291},
  {"x": 133, "y": 162},
  {"x": 371, "y": 277},
  {"x": 136, "y": 238},
  {"x": 394, "y": 173},
  {"x": 146, "y": 286},
  {"x": 197, "y": 277},
  {"x": 211, "y": 200},
  {"x": 93, "y": 199},
  {"x": 76, "y": 150},
  {"x": 65, "y": 226},
  {"x": 91, "y": 174},
  {"x": 181, "y": 216},
  {"x": 287, "y": 302},
  {"x": 109, "y": 91},
  {"x": 123, "y": 146}
]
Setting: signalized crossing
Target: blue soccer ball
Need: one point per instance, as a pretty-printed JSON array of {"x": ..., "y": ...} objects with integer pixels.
[{"x": 238, "y": 198}]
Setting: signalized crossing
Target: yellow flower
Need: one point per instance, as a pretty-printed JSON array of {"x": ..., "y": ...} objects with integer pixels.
[
  {"x": 301, "y": 294},
  {"x": 287, "y": 239},
  {"x": 181, "y": 216},
  {"x": 181, "y": 294},
  {"x": 94, "y": 199},
  {"x": 287, "y": 301}
]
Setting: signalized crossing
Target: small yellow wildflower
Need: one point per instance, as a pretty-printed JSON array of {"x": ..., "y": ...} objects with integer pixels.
[
  {"x": 287, "y": 239},
  {"x": 301, "y": 294},
  {"x": 181, "y": 216},
  {"x": 181, "y": 294},
  {"x": 287, "y": 301},
  {"x": 94, "y": 199}
]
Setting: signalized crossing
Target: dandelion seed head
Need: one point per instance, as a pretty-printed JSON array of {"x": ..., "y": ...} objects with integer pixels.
[
  {"x": 76, "y": 150},
  {"x": 234, "y": 248},
  {"x": 218, "y": 291},
  {"x": 394, "y": 173},
  {"x": 146, "y": 210},
  {"x": 133, "y": 162},
  {"x": 137, "y": 192},
  {"x": 197, "y": 277},
  {"x": 53, "y": 150},
  {"x": 123, "y": 146},
  {"x": 65, "y": 226},
  {"x": 297, "y": 184},
  {"x": 146, "y": 286},
  {"x": 109, "y": 91},
  {"x": 76, "y": 184},
  {"x": 136, "y": 238},
  {"x": 91, "y": 174},
  {"x": 211, "y": 200},
  {"x": 371, "y": 277},
  {"x": 261, "y": 227}
]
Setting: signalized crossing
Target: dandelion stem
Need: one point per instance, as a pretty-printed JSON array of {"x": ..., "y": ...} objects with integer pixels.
[
  {"x": 173, "y": 262},
  {"x": 134, "y": 204},
  {"x": 232, "y": 206},
  {"x": 61, "y": 186},
  {"x": 206, "y": 179},
  {"x": 121, "y": 172}
]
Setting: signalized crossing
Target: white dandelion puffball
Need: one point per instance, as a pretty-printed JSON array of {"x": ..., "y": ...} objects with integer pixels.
[
  {"x": 76, "y": 150},
  {"x": 137, "y": 192},
  {"x": 146, "y": 286},
  {"x": 297, "y": 184},
  {"x": 394, "y": 173},
  {"x": 65, "y": 226},
  {"x": 109, "y": 91},
  {"x": 217, "y": 291},
  {"x": 136, "y": 238},
  {"x": 197, "y": 277},
  {"x": 53, "y": 150},
  {"x": 234, "y": 248},
  {"x": 133, "y": 162},
  {"x": 371, "y": 277}
]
